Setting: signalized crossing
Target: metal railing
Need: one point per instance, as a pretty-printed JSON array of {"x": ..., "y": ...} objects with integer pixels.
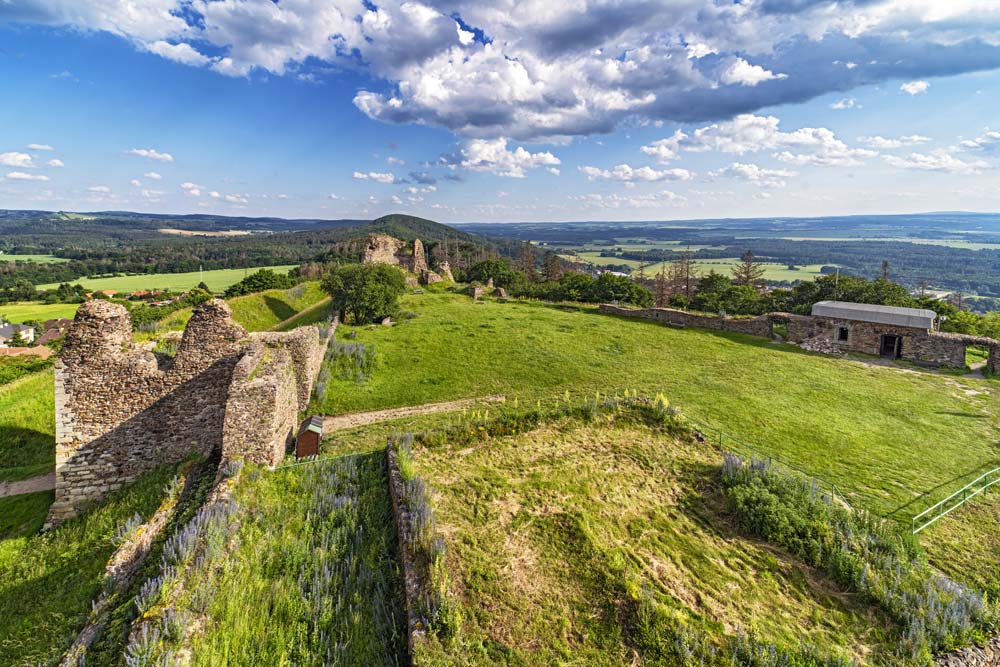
[
  {"x": 730, "y": 443},
  {"x": 944, "y": 507}
]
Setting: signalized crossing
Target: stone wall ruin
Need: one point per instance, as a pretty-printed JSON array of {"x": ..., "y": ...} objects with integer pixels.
[
  {"x": 927, "y": 348},
  {"x": 122, "y": 411},
  {"x": 385, "y": 249}
]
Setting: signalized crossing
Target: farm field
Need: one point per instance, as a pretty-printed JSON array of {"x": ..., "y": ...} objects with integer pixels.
[
  {"x": 27, "y": 427},
  {"x": 894, "y": 440},
  {"x": 25, "y": 311},
  {"x": 41, "y": 259},
  {"x": 772, "y": 270},
  {"x": 217, "y": 280},
  {"x": 556, "y": 536}
]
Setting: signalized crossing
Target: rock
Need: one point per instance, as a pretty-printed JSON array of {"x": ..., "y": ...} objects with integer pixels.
[
  {"x": 500, "y": 292},
  {"x": 445, "y": 270},
  {"x": 386, "y": 322},
  {"x": 382, "y": 249},
  {"x": 821, "y": 344},
  {"x": 418, "y": 263},
  {"x": 489, "y": 284},
  {"x": 429, "y": 277},
  {"x": 475, "y": 292}
]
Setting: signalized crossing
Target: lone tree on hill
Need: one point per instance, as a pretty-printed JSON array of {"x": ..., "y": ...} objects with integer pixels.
[
  {"x": 749, "y": 271},
  {"x": 260, "y": 281},
  {"x": 369, "y": 292}
]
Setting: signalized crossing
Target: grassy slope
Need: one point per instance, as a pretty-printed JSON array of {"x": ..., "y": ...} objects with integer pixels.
[
  {"x": 23, "y": 514},
  {"x": 24, "y": 311},
  {"x": 966, "y": 544},
  {"x": 534, "y": 525},
  {"x": 277, "y": 542},
  {"x": 882, "y": 434},
  {"x": 261, "y": 311},
  {"x": 27, "y": 427},
  {"x": 217, "y": 280},
  {"x": 47, "y": 581}
]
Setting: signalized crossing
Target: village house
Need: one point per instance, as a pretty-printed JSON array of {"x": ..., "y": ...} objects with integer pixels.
[{"x": 8, "y": 331}]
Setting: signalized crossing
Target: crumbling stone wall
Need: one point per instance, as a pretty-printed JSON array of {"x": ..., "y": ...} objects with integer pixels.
[
  {"x": 385, "y": 249},
  {"x": 121, "y": 411},
  {"x": 929, "y": 348},
  {"x": 382, "y": 249}
]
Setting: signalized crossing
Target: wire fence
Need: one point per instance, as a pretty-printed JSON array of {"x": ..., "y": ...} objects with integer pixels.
[{"x": 942, "y": 508}]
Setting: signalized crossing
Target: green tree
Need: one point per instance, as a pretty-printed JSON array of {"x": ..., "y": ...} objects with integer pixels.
[
  {"x": 609, "y": 287},
  {"x": 497, "y": 269},
  {"x": 368, "y": 292},
  {"x": 260, "y": 281},
  {"x": 575, "y": 287},
  {"x": 749, "y": 271}
]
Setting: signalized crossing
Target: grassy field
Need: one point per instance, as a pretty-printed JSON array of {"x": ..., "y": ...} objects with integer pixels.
[
  {"x": 966, "y": 544},
  {"x": 217, "y": 280},
  {"x": 48, "y": 580},
  {"x": 772, "y": 270},
  {"x": 892, "y": 439},
  {"x": 27, "y": 426},
  {"x": 41, "y": 259},
  {"x": 554, "y": 536},
  {"x": 316, "y": 549},
  {"x": 23, "y": 514},
  {"x": 24, "y": 311}
]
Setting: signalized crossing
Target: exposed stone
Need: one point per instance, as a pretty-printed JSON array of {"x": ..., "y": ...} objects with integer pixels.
[
  {"x": 382, "y": 249},
  {"x": 444, "y": 269},
  {"x": 418, "y": 263},
  {"x": 121, "y": 412},
  {"x": 489, "y": 284},
  {"x": 475, "y": 291},
  {"x": 429, "y": 277},
  {"x": 500, "y": 292},
  {"x": 973, "y": 656}
]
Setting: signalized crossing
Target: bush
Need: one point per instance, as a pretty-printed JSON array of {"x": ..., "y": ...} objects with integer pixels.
[
  {"x": 368, "y": 291},
  {"x": 260, "y": 281},
  {"x": 497, "y": 269}
]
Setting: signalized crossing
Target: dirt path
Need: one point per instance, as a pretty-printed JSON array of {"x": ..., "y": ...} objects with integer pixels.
[
  {"x": 341, "y": 422},
  {"x": 40, "y": 483}
]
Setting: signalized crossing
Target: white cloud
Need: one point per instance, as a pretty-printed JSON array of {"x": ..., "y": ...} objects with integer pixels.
[
  {"x": 151, "y": 154},
  {"x": 769, "y": 178},
  {"x": 153, "y": 195},
  {"x": 194, "y": 190},
  {"x": 136, "y": 182},
  {"x": 214, "y": 194},
  {"x": 553, "y": 170},
  {"x": 492, "y": 155},
  {"x": 22, "y": 176},
  {"x": 845, "y": 103},
  {"x": 628, "y": 174},
  {"x": 236, "y": 199},
  {"x": 741, "y": 72},
  {"x": 939, "y": 160},
  {"x": 396, "y": 200},
  {"x": 180, "y": 52},
  {"x": 40, "y": 147},
  {"x": 15, "y": 159},
  {"x": 884, "y": 143},
  {"x": 387, "y": 178},
  {"x": 392, "y": 159},
  {"x": 332, "y": 196},
  {"x": 665, "y": 150},
  {"x": 56, "y": 163},
  {"x": 987, "y": 140},
  {"x": 100, "y": 189},
  {"x": 653, "y": 200},
  {"x": 915, "y": 87},
  {"x": 153, "y": 175}
]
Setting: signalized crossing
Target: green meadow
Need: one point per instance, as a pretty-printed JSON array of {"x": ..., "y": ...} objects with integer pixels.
[{"x": 217, "y": 280}]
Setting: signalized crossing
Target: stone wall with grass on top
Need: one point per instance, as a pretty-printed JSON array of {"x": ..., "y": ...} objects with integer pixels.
[{"x": 122, "y": 411}]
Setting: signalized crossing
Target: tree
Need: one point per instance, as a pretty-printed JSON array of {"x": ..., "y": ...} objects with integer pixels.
[
  {"x": 202, "y": 286},
  {"x": 748, "y": 272},
  {"x": 18, "y": 339},
  {"x": 260, "y": 281},
  {"x": 575, "y": 287},
  {"x": 553, "y": 266},
  {"x": 609, "y": 287},
  {"x": 685, "y": 274},
  {"x": 526, "y": 260},
  {"x": 497, "y": 269},
  {"x": 661, "y": 291},
  {"x": 369, "y": 292}
]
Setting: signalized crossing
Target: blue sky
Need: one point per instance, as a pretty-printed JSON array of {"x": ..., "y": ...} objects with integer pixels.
[{"x": 532, "y": 110}]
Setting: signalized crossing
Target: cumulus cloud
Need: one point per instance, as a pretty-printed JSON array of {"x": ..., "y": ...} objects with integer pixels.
[
  {"x": 884, "y": 143},
  {"x": 392, "y": 159},
  {"x": 387, "y": 178},
  {"x": 152, "y": 195},
  {"x": 530, "y": 71},
  {"x": 153, "y": 175},
  {"x": 939, "y": 160},
  {"x": 768, "y": 178},
  {"x": 15, "y": 159},
  {"x": 493, "y": 155},
  {"x": 56, "y": 163},
  {"x": 741, "y": 72},
  {"x": 915, "y": 87},
  {"x": 652, "y": 200},
  {"x": 628, "y": 174},
  {"x": 136, "y": 183},
  {"x": 151, "y": 154},
  {"x": 988, "y": 140},
  {"x": 99, "y": 189},
  {"x": 194, "y": 190},
  {"x": 332, "y": 196},
  {"x": 236, "y": 199},
  {"x": 422, "y": 177},
  {"x": 40, "y": 147},
  {"x": 24, "y": 176}
]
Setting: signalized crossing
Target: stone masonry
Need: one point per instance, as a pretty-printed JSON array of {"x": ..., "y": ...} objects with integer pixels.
[
  {"x": 385, "y": 249},
  {"x": 922, "y": 347},
  {"x": 120, "y": 412}
]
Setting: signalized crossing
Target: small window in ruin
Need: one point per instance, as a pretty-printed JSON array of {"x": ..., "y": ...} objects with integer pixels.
[{"x": 842, "y": 334}]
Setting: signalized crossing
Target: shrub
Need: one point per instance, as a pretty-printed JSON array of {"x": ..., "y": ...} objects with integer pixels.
[{"x": 260, "y": 281}]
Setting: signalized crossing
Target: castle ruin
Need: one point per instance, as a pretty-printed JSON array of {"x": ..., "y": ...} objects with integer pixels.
[
  {"x": 385, "y": 249},
  {"x": 122, "y": 411}
]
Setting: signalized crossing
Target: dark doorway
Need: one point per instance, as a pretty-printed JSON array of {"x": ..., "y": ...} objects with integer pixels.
[{"x": 891, "y": 346}]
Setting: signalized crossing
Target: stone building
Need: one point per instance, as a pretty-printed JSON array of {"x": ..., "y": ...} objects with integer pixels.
[
  {"x": 122, "y": 411},
  {"x": 385, "y": 249}
]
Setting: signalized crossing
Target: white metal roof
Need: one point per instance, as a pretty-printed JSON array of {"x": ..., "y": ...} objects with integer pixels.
[{"x": 916, "y": 318}]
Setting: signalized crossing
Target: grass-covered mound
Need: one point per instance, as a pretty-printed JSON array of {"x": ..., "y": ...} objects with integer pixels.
[
  {"x": 27, "y": 426},
  {"x": 47, "y": 581},
  {"x": 606, "y": 541}
]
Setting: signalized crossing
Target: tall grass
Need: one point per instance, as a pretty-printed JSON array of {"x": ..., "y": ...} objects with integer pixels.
[
  {"x": 864, "y": 554},
  {"x": 345, "y": 361},
  {"x": 315, "y": 548}
]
